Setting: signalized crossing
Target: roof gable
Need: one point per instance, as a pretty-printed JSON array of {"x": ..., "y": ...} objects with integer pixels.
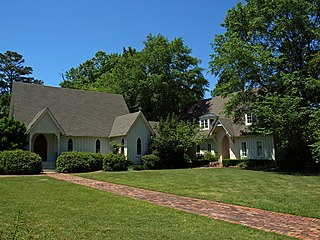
[
  {"x": 122, "y": 124},
  {"x": 79, "y": 113},
  {"x": 38, "y": 117}
]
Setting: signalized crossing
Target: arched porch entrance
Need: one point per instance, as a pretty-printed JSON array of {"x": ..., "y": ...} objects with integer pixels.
[
  {"x": 225, "y": 152},
  {"x": 41, "y": 147}
]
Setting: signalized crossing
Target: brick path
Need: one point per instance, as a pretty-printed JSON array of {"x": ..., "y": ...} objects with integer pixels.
[{"x": 286, "y": 224}]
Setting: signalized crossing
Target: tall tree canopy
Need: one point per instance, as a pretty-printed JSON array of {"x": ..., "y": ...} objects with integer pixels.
[
  {"x": 12, "y": 69},
  {"x": 269, "y": 59},
  {"x": 162, "y": 78}
]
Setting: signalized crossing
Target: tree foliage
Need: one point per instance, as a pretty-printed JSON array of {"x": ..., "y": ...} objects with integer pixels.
[
  {"x": 12, "y": 69},
  {"x": 270, "y": 56},
  {"x": 161, "y": 78},
  {"x": 173, "y": 139},
  {"x": 12, "y": 134}
]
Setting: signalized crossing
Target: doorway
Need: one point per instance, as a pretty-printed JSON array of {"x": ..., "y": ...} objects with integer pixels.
[
  {"x": 225, "y": 153},
  {"x": 41, "y": 146}
]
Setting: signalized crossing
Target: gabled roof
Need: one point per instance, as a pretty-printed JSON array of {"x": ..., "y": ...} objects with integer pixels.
[
  {"x": 122, "y": 124},
  {"x": 79, "y": 113},
  {"x": 215, "y": 106},
  {"x": 38, "y": 117}
]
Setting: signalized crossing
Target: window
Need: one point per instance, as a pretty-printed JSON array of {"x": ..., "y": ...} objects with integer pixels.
[
  {"x": 244, "y": 150},
  {"x": 98, "y": 146},
  {"x": 122, "y": 146},
  {"x": 139, "y": 147},
  {"x": 198, "y": 148},
  {"x": 70, "y": 145},
  {"x": 204, "y": 124},
  {"x": 209, "y": 147},
  {"x": 259, "y": 149},
  {"x": 250, "y": 118}
]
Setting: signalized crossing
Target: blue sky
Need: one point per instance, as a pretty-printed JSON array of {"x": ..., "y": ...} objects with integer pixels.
[{"x": 55, "y": 35}]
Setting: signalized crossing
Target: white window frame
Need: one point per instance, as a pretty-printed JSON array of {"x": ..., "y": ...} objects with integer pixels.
[
  {"x": 204, "y": 124},
  {"x": 259, "y": 153},
  {"x": 244, "y": 154},
  {"x": 249, "y": 119}
]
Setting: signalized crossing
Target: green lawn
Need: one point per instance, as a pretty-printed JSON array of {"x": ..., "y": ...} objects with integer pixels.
[
  {"x": 285, "y": 193},
  {"x": 53, "y": 209}
]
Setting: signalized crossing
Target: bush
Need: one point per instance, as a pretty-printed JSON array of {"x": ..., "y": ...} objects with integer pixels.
[
  {"x": 199, "y": 161},
  {"x": 70, "y": 162},
  {"x": 249, "y": 163},
  {"x": 210, "y": 156},
  {"x": 20, "y": 162},
  {"x": 115, "y": 162},
  {"x": 232, "y": 162},
  {"x": 151, "y": 161}
]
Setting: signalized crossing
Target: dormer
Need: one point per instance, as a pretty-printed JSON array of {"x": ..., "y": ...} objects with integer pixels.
[
  {"x": 249, "y": 119},
  {"x": 206, "y": 121}
]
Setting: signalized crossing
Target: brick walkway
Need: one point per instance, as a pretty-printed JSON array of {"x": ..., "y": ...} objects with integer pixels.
[{"x": 286, "y": 224}]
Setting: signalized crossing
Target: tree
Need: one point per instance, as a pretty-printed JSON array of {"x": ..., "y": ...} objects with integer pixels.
[
  {"x": 268, "y": 59},
  {"x": 161, "y": 78},
  {"x": 12, "y": 69},
  {"x": 173, "y": 139},
  {"x": 12, "y": 134}
]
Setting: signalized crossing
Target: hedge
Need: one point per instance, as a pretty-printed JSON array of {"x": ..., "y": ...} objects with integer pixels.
[
  {"x": 249, "y": 163},
  {"x": 70, "y": 162},
  {"x": 115, "y": 162},
  {"x": 150, "y": 161},
  {"x": 20, "y": 162}
]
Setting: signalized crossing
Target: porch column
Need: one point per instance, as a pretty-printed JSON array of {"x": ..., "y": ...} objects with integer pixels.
[
  {"x": 30, "y": 141},
  {"x": 58, "y": 137}
]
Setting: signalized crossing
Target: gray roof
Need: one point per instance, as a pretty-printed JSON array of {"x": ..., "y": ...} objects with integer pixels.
[
  {"x": 215, "y": 106},
  {"x": 122, "y": 124},
  {"x": 79, "y": 113}
]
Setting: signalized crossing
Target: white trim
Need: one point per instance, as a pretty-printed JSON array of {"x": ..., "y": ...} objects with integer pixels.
[{"x": 242, "y": 153}]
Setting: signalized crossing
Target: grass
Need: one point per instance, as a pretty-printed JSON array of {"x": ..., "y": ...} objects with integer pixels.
[
  {"x": 52, "y": 209},
  {"x": 294, "y": 194}
]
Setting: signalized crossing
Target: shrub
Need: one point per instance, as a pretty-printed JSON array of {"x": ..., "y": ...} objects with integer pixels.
[
  {"x": 12, "y": 134},
  {"x": 199, "y": 161},
  {"x": 20, "y": 162},
  {"x": 209, "y": 156},
  {"x": 232, "y": 162},
  {"x": 115, "y": 162},
  {"x": 151, "y": 161},
  {"x": 79, "y": 162},
  {"x": 249, "y": 163}
]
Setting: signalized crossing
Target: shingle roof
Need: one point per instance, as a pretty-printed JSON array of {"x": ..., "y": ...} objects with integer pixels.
[
  {"x": 122, "y": 124},
  {"x": 79, "y": 113},
  {"x": 215, "y": 106}
]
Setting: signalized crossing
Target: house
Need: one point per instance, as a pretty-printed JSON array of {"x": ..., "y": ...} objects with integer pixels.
[
  {"x": 225, "y": 138},
  {"x": 60, "y": 120}
]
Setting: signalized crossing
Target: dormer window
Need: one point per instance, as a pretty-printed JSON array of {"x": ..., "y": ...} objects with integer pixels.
[
  {"x": 206, "y": 121},
  {"x": 204, "y": 124},
  {"x": 250, "y": 118}
]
